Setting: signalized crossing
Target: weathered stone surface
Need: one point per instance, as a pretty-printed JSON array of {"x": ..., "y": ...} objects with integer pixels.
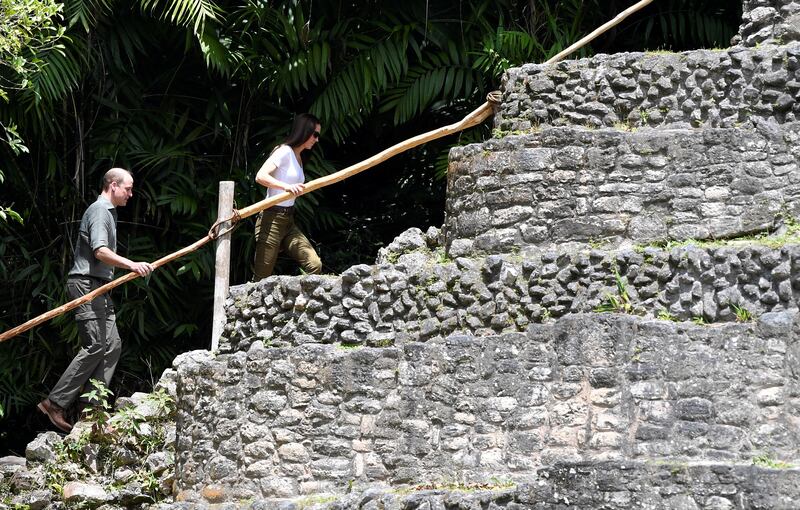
[
  {"x": 587, "y": 386},
  {"x": 132, "y": 494},
  {"x": 700, "y": 89},
  {"x": 42, "y": 449},
  {"x": 159, "y": 461},
  {"x": 619, "y": 187},
  {"x": 769, "y": 22},
  {"x": 611, "y": 485},
  {"x": 33, "y": 500},
  {"x": 143, "y": 406},
  {"x": 24, "y": 480},
  {"x": 506, "y": 293},
  {"x": 10, "y": 464},
  {"x": 85, "y": 493}
]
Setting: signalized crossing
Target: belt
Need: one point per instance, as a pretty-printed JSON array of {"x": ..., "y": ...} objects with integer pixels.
[
  {"x": 281, "y": 209},
  {"x": 97, "y": 279}
]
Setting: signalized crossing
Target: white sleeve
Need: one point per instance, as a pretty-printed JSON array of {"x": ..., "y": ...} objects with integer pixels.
[{"x": 279, "y": 156}]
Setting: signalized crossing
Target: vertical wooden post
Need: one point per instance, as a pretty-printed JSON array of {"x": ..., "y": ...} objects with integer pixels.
[{"x": 222, "y": 268}]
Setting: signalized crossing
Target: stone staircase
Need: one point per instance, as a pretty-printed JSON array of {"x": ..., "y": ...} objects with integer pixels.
[{"x": 559, "y": 343}]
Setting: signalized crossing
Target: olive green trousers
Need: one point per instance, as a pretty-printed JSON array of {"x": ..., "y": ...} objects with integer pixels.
[{"x": 276, "y": 231}]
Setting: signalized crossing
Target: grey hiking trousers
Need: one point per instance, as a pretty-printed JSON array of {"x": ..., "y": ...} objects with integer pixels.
[{"x": 101, "y": 344}]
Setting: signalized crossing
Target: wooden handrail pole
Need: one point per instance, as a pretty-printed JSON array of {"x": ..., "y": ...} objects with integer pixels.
[
  {"x": 75, "y": 303},
  {"x": 600, "y": 30},
  {"x": 222, "y": 266}
]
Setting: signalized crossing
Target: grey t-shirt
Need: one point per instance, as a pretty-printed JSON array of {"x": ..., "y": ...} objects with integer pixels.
[{"x": 98, "y": 229}]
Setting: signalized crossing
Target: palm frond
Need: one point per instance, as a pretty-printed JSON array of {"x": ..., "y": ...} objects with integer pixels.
[
  {"x": 85, "y": 12},
  {"x": 377, "y": 65},
  {"x": 444, "y": 75},
  {"x": 58, "y": 73},
  {"x": 217, "y": 53},
  {"x": 188, "y": 13}
]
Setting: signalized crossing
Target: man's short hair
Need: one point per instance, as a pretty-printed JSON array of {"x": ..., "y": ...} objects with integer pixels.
[{"x": 115, "y": 175}]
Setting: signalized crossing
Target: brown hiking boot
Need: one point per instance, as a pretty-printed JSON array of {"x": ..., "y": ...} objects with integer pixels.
[{"x": 56, "y": 414}]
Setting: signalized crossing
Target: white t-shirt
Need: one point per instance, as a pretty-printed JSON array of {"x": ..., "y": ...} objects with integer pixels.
[{"x": 288, "y": 170}]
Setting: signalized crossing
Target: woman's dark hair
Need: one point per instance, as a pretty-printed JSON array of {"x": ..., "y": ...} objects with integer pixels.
[{"x": 303, "y": 126}]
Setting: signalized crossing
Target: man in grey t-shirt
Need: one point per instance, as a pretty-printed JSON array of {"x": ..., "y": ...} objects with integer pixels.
[{"x": 95, "y": 260}]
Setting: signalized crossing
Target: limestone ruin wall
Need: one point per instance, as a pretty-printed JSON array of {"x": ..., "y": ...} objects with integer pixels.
[{"x": 558, "y": 332}]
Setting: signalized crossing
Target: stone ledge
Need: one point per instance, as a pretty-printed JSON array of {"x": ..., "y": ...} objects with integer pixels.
[
  {"x": 710, "y": 88},
  {"x": 421, "y": 298},
  {"x": 561, "y": 185},
  {"x": 282, "y": 422},
  {"x": 589, "y": 486}
]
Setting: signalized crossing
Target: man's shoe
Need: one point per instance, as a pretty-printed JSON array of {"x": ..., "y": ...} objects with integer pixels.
[{"x": 56, "y": 414}]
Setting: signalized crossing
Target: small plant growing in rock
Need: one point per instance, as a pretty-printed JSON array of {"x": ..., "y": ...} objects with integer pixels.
[
  {"x": 699, "y": 320},
  {"x": 463, "y": 486},
  {"x": 644, "y": 116},
  {"x": 348, "y": 347},
  {"x": 441, "y": 256},
  {"x": 126, "y": 422},
  {"x": 502, "y": 483},
  {"x": 132, "y": 439},
  {"x": 67, "y": 465},
  {"x": 619, "y": 303},
  {"x": 149, "y": 483},
  {"x": 317, "y": 499},
  {"x": 636, "y": 357},
  {"x": 659, "y": 51},
  {"x": 679, "y": 469},
  {"x": 742, "y": 314},
  {"x": 765, "y": 460},
  {"x": 165, "y": 406},
  {"x": 99, "y": 408},
  {"x": 597, "y": 243},
  {"x": 624, "y": 126},
  {"x": 384, "y": 342},
  {"x": 664, "y": 315},
  {"x": 5, "y": 493}
]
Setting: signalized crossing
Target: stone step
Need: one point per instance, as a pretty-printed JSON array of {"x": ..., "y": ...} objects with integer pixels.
[
  {"x": 562, "y": 185},
  {"x": 423, "y": 297},
  {"x": 580, "y": 486},
  {"x": 702, "y": 88},
  {"x": 282, "y": 422}
]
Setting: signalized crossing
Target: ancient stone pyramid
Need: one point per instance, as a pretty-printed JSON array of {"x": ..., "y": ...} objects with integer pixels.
[{"x": 558, "y": 343}]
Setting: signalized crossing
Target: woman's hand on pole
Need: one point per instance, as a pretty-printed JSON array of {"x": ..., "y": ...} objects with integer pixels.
[{"x": 295, "y": 189}]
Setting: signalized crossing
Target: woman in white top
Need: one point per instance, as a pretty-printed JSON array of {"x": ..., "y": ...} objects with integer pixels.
[{"x": 275, "y": 227}]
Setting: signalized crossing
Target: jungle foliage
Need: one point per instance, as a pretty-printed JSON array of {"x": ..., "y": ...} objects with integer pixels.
[{"x": 187, "y": 93}]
